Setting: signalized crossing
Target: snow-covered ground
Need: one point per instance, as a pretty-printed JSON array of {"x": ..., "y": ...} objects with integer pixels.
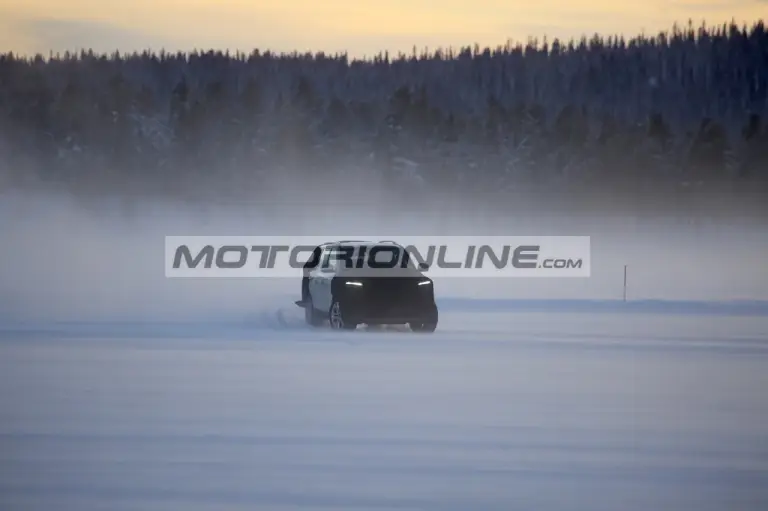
[{"x": 497, "y": 410}]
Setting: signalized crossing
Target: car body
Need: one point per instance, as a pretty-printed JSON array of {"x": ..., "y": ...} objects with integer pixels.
[{"x": 347, "y": 295}]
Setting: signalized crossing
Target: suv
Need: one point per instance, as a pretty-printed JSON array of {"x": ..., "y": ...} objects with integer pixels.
[{"x": 348, "y": 290}]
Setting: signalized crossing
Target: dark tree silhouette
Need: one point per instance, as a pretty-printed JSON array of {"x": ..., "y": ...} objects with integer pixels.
[{"x": 686, "y": 104}]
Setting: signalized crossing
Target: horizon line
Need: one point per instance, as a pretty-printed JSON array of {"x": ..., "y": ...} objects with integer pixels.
[{"x": 531, "y": 42}]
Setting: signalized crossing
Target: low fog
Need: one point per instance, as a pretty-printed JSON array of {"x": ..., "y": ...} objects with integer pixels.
[{"x": 71, "y": 258}]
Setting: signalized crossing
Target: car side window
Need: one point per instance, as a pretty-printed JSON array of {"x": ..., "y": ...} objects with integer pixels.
[{"x": 328, "y": 259}]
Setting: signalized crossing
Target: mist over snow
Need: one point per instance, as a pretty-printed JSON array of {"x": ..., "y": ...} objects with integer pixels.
[{"x": 69, "y": 259}]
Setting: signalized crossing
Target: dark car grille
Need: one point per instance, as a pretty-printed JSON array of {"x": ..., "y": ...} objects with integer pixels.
[{"x": 397, "y": 291}]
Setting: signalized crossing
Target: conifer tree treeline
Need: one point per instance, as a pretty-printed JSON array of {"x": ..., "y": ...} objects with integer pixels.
[{"x": 689, "y": 105}]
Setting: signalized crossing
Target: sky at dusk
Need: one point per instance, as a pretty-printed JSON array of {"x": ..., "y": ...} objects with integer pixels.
[{"x": 360, "y": 27}]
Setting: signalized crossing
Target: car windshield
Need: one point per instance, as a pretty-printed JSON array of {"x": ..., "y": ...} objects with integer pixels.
[{"x": 385, "y": 258}]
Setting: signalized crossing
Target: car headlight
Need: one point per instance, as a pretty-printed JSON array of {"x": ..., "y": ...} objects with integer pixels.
[{"x": 354, "y": 283}]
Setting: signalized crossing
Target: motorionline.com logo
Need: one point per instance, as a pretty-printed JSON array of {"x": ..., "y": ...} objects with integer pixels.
[{"x": 441, "y": 256}]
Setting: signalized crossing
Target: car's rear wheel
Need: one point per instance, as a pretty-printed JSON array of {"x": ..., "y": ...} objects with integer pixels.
[
  {"x": 337, "y": 318},
  {"x": 312, "y": 316}
]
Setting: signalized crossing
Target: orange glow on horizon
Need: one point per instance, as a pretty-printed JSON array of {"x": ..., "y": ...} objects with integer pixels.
[{"x": 360, "y": 27}]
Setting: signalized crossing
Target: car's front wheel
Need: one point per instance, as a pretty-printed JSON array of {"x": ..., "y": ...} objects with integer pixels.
[
  {"x": 428, "y": 324},
  {"x": 337, "y": 318},
  {"x": 427, "y": 327}
]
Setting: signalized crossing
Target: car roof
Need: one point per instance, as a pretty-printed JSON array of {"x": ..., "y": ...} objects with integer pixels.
[{"x": 364, "y": 243}]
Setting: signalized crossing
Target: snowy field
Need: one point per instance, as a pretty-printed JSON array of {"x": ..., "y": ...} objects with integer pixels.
[{"x": 531, "y": 411}]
